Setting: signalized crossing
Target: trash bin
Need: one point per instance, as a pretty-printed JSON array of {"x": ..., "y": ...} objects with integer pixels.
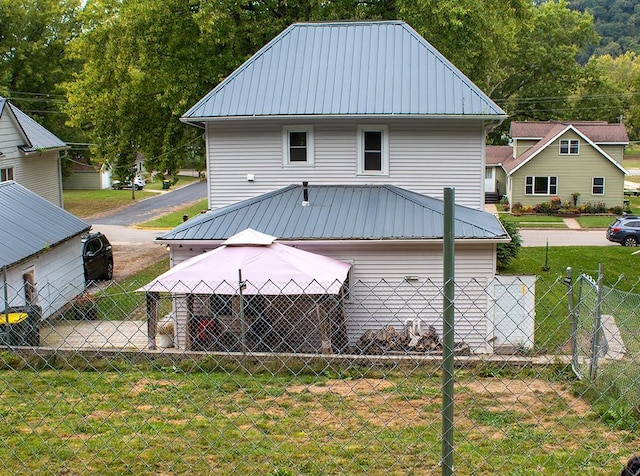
[
  {"x": 166, "y": 184},
  {"x": 20, "y": 326}
]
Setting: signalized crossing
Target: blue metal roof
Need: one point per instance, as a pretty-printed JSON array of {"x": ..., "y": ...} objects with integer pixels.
[
  {"x": 346, "y": 68},
  {"x": 31, "y": 224},
  {"x": 37, "y": 136},
  {"x": 340, "y": 212}
]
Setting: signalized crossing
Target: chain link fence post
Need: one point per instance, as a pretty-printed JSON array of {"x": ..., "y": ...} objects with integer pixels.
[{"x": 447, "y": 332}]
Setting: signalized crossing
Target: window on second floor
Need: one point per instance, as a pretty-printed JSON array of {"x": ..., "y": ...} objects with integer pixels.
[
  {"x": 541, "y": 185},
  {"x": 6, "y": 174},
  {"x": 597, "y": 186},
  {"x": 569, "y": 147},
  {"x": 297, "y": 145},
  {"x": 373, "y": 150}
]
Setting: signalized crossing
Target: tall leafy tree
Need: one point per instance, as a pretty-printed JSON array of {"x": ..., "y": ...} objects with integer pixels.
[{"x": 34, "y": 36}]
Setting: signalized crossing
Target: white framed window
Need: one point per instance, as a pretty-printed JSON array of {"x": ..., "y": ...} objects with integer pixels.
[
  {"x": 569, "y": 147},
  {"x": 297, "y": 145},
  {"x": 541, "y": 185},
  {"x": 6, "y": 174},
  {"x": 597, "y": 186},
  {"x": 373, "y": 150}
]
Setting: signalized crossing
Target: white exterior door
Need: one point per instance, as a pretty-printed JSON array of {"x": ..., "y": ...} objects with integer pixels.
[{"x": 489, "y": 179}]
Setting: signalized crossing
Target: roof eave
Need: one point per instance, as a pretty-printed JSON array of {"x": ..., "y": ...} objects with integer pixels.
[
  {"x": 199, "y": 121},
  {"x": 363, "y": 241}
]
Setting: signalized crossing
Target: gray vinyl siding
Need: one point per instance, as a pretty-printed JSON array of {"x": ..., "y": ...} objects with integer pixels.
[
  {"x": 615, "y": 151},
  {"x": 424, "y": 156},
  {"x": 84, "y": 180},
  {"x": 522, "y": 145},
  {"x": 379, "y": 286},
  {"x": 59, "y": 276}
]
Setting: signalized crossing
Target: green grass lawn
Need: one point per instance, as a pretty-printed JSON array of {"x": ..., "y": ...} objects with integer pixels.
[
  {"x": 173, "y": 219},
  {"x": 182, "y": 180},
  {"x": 535, "y": 221},
  {"x": 587, "y": 221},
  {"x": 87, "y": 203},
  {"x": 186, "y": 419}
]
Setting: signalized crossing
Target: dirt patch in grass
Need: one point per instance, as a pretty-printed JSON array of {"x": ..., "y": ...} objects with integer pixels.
[{"x": 129, "y": 259}]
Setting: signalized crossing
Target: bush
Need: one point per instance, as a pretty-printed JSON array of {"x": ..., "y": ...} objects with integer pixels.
[
  {"x": 544, "y": 208},
  {"x": 516, "y": 208},
  {"x": 506, "y": 252}
]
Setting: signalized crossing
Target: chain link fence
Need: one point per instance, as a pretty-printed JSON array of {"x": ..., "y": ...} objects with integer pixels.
[{"x": 121, "y": 381}]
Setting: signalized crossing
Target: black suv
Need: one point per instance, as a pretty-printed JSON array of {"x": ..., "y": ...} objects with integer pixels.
[
  {"x": 625, "y": 230},
  {"x": 97, "y": 256}
]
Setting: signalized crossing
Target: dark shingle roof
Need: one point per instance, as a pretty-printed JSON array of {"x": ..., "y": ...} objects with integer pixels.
[
  {"x": 31, "y": 224},
  {"x": 596, "y": 131},
  {"x": 339, "y": 212},
  {"x": 346, "y": 68}
]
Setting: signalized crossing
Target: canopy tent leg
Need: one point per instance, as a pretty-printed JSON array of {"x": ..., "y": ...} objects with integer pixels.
[{"x": 153, "y": 298}]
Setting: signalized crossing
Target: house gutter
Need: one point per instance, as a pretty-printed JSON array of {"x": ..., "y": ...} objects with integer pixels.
[
  {"x": 493, "y": 119},
  {"x": 363, "y": 242}
]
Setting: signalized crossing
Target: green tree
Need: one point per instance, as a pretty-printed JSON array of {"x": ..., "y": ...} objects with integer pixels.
[{"x": 34, "y": 36}]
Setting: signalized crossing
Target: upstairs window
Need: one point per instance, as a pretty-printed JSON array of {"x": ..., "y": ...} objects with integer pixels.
[
  {"x": 597, "y": 186},
  {"x": 541, "y": 185},
  {"x": 373, "y": 150},
  {"x": 569, "y": 147},
  {"x": 297, "y": 145},
  {"x": 6, "y": 174}
]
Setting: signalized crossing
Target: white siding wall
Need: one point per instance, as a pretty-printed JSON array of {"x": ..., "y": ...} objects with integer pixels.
[
  {"x": 39, "y": 172},
  {"x": 381, "y": 293},
  {"x": 425, "y": 156},
  {"x": 59, "y": 277}
]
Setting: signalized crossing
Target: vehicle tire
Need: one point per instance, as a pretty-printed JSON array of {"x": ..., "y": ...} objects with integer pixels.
[
  {"x": 108, "y": 275},
  {"x": 138, "y": 187},
  {"x": 630, "y": 241}
]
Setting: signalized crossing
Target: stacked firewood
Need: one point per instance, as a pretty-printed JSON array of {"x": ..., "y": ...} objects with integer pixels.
[{"x": 411, "y": 339}]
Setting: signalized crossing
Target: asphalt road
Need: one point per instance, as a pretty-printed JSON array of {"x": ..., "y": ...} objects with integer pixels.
[{"x": 144, "y": 210}]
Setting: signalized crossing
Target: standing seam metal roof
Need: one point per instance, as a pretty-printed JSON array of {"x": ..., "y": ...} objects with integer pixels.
[
  {"x": 346, "y": 68},
  {"x": 37, "y": 136},
  {"x": 31, "y": 224},
  {"x": 340, "y": 212}
]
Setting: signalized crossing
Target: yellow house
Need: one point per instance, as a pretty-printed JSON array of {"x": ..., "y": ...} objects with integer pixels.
[{"x": 574, "y": 162}]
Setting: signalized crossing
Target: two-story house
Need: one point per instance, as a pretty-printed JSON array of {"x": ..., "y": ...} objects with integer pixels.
[
  {"x": 339, "y": 138},
  {"x": 559, "y": 159},
  {"x": 30, "y": 154}
]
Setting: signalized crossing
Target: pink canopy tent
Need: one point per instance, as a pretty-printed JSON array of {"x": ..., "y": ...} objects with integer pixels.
[{"x": 266, "y": 267}]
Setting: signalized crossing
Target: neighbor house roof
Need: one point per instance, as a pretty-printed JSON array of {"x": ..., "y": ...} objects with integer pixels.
[
  {"x": 373, "y": 68},
  {"x": 597, "y": 131},
  {"x": 36, "y": 136},
  {"x": 31, "y": 224},
  {"x": 497, "y": 155},
  {"x": 340, "y": 212}
]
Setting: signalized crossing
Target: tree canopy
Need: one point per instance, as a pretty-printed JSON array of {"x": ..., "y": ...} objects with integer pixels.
[{"x": 130, "y": 69}]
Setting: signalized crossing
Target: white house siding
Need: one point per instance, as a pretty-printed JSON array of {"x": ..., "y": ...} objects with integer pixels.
[
  {"x": 381, "y": 295},
  {"x": 425, "y": 156},
  {"x": 39, "y": 172},
  {"x": 59, "y": 277}
]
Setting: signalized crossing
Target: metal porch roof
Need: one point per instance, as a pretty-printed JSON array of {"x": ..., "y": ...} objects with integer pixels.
[
  {"x": 31, "y": 224},
  {"x": 373, "y": 68},
  {"x": 339, "y": 212}
]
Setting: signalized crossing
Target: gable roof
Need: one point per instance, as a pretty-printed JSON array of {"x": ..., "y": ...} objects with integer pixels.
[
  {"x": 511, "y": 164},
  {"x": 31, "y": 224},
  {"x": 599, "y": 132},
  {"x": 497, "y": 154},
  {"x": 37, "y": 137},
  {"x": 340, "y": 212},
  {"x": 373, "y": 68}
]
